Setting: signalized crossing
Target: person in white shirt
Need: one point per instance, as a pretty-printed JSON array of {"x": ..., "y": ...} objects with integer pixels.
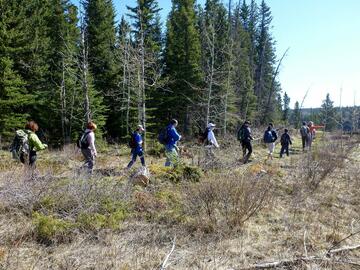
[{"x": 211, "y": 141}]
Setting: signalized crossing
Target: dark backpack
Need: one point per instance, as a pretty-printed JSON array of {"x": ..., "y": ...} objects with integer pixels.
[
  {"x": 268, "y": 137},
  {"x": 284, "y": 139},
  {"x": 274, "y": 135},
  {"x": 163, "y": 136},
  {"x": 304, "y": 131},
  {"x": 132, "y": 142},
  {"x": 20, "y": 145},
  {"x": 203, "y": 136},
  {"x": 82, "y": 141},
  {"x": 241, "y": 134}
]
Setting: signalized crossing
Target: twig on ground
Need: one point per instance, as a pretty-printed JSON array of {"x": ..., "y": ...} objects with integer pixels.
[{"x": 165, "y": 264}]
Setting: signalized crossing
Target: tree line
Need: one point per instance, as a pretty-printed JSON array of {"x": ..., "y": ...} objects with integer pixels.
[{"x": 62, "y": 66}]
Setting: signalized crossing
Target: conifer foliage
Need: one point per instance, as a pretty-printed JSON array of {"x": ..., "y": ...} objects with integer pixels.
[{"x": 63, "y": 65}]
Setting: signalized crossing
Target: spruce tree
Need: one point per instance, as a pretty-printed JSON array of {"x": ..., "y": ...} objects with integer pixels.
[
  {"x": 182, "y": 59},
  {"x": 14, "y": 97},
  {"x": 286, "y": 108},
  {"x": 100, "y": 40},
  {"x": 328, "y": 114},
  {"x": 243, "y": 78},
  {"x": 296, "y": 116}
]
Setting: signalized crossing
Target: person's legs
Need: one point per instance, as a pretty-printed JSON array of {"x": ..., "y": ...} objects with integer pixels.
[
  {"x": 133, "y": 158},
  {"x": 89, "y": 159},
  {"x": 32, "y": 158},
  {"x": 142, "y": 158},
  {"x": 287, "y": 150},
  {"x": 303, "y": 140},
  {"x": 243, "y": 146},
  {"x": 282, "y": 150},
  {"x": 248, "y": 146}
]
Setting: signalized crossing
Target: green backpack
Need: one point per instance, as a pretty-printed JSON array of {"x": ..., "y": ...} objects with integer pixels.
[
  {"x": 20, "y": 145},
  {"x": 241, "y": 134}
]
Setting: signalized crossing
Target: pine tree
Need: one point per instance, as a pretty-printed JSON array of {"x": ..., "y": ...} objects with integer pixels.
[
  {"x": 266, "y": 86},
  {"x": 243, "y": 78},
  {"x": 182, "y": 58},
  {"x": 328, "y": 114},
  {"x": 14, "y": 97},
  {"x": 100, "y": 39},
  {"x": 296, "y": 116},
  {"x": 286, "y": 108},
  {"x": 147, "y": 42},
  {"x": 215, "y": 41}
]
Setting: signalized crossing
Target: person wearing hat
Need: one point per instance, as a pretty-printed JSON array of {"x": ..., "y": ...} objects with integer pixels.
[
  {"x": 211, "y": 141},
  {"x": 245, "y": 138},
  {"x": 136, "y": 147}
]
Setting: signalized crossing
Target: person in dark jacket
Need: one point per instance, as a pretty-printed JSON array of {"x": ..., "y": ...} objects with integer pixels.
[
  {"x": 137, "y": 150},
  {"x": 245, "y": 138},
  {"x": 285, "y": 142}
]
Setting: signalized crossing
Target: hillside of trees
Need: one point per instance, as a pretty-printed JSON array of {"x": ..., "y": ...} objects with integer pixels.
[{"x": 62, "y": 66}]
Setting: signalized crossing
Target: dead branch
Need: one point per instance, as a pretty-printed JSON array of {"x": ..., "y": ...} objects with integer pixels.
[{"x": 165, "y": 264}]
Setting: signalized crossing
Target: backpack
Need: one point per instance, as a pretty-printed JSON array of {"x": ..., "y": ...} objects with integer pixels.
[
  {"x": 20, "y": 145},
  {"x": 132, "y": 142},
  {"x": 203, "y": 136},
  {"x": 241, "y": 134},
  {"x": 284, "y": 139},
  {"x": 268, "y": 137},
  {"x": 163, "y": 136},
  {"x": 274, "y": 135},
  {"x": 82, "y": 141},
  {"x": 304, "y": 130}
]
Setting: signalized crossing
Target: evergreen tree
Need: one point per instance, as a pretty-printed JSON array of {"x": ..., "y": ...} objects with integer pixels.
[
  {"x": 100, "y": 39},
  {"x": 214, "y": 40},
  {"x": 182, "y": 59},
  {"x": 14, "y": 97},
  {"x": 296, "y": 116},
  {"x": 148, "y": 43},
  {"x": 286, "y": 108},
  {"x": 243, "y": 78},
  {"x": 328, "y": 114}
]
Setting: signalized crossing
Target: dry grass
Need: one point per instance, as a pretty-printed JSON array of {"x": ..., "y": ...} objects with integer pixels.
[{"x": 234, "y": 217}]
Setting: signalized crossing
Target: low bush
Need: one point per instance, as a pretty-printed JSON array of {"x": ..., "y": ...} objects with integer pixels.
[{"x": 50, "y": 229}]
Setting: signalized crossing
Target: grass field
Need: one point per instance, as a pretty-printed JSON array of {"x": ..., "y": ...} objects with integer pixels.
[{"x": 295, "y": 211}]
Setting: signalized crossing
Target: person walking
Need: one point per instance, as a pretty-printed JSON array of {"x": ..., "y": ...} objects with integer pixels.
[
  {"x": 304, "y": 132},
  {"x": 211, "y": 141},
  {"x": 245, "y": 138},
  {"x": 285, "y": 141},
  {"x": 270, "y": 136},
  {"x": 171, "y": 149},
  {"x": 34, "y": 145},
  {"x": 87, "y": 145},
  {"x": 136, "y": 143}
]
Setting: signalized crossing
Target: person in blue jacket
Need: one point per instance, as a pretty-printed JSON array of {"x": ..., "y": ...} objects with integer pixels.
[
  {"x": 137, "y": 150},
  {"x": 171, "y": 149}
]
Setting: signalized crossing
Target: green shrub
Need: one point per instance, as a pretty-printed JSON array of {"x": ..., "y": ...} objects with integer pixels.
[{"x": 49, "y": 229}]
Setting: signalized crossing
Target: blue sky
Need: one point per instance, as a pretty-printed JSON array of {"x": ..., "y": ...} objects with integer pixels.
[{"x": 324, "y": 41}]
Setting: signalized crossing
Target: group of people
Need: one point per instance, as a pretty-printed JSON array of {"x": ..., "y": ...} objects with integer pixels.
[
  {"x": 26, "y": 143},
  {"x": 269, "y": 138}
]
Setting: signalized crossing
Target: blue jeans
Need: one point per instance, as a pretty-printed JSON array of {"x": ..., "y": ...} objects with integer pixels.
[{"x": 136, "y": 152}]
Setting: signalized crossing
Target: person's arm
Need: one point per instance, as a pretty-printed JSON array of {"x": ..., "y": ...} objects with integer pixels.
[
  {"x": 91, "y": 141},
  {"x": 36, "y": 144}
]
